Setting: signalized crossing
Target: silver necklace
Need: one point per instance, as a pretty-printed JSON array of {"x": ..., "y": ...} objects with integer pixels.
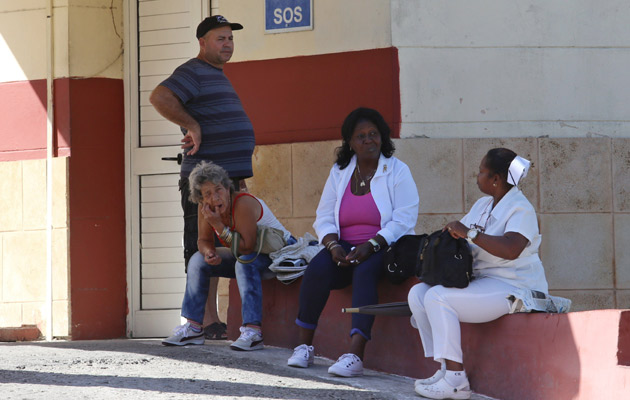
[{"x": 362, "y": 184}]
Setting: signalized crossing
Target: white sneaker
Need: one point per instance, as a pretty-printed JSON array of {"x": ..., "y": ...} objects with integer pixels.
[
  {"x": 302, "y": 356},
  {"x": 250, "y": 339},
  {"x": 348, "y": 365},
  {"x": 427, "y": 381},
  {"x": 444, "y": 390},
  {"x": 183, "y": 335}
]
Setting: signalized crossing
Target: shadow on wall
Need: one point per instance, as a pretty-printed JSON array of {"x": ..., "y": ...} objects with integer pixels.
[{"x": 23, "y": 109}]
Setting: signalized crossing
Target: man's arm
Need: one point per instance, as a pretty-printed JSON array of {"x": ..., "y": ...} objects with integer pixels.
[{"x": 169, "y": 106}]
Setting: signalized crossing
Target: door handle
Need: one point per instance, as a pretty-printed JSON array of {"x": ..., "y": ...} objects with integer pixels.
[{"x": 179, "y": 158}]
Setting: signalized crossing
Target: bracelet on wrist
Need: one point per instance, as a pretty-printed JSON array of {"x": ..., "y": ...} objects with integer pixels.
[
  {"x": 226, "y": 235},
  {"x": 225, "y": 232},
  {"x": 334, "y": 247},
  {"x": 332, "y": 244}
]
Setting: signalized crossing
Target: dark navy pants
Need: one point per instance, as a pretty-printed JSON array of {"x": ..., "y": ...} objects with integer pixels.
[{"x": 324, "y": 275}]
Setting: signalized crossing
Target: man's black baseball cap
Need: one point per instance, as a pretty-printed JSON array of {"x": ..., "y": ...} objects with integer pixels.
[{"x": 215, "y": 21}]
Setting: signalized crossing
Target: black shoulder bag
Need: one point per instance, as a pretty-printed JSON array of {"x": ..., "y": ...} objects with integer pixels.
[
  {"x": 445, "y": 261},
  {"x": 401, "y": 258}
]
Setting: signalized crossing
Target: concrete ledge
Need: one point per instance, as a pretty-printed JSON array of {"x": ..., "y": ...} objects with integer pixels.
[
  {"x": 22, "y": 334},
  {"x": 582, "y": 355}
]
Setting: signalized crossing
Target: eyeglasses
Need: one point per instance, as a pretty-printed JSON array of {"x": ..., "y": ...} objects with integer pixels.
[{"x": 478, "y": 226}]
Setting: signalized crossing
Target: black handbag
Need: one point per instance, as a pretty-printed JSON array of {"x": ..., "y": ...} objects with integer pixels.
[
  {"x": 401, "y": 258},
  {"x": 445, "y": 261}
]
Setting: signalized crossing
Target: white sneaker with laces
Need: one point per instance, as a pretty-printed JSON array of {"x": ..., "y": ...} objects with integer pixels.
[
  {"x": 348, "y": 365},
  {"x": 183, "y": 335},
  {"x": 444, "y": 390},
  {"x": 250, "y": 339},
  {"x": 302, "y": 356},
  {"x": 427, "y": 381}
]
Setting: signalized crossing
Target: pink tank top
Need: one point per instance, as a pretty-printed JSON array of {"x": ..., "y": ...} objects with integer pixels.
[{"x": 359, "y": 218}]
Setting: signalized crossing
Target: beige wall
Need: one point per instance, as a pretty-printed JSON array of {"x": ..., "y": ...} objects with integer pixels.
[
  {"x": 579, "y": 188},
  {"x": 494, "y": 68},
  {"x": 87, "y": 39},
  {"x": 339, "y": 26},
  {"x": 23, "y": 245},
  {"x": 95, "y": 36}
]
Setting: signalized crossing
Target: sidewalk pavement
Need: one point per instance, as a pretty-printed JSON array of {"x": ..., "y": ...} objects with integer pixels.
[{"x": 145, "y": 369}]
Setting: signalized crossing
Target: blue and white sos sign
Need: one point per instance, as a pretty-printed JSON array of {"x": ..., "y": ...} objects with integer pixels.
[{"x": 288, "y": 15}]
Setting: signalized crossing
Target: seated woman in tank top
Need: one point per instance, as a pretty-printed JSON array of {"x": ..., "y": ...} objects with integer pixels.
[{"x": 223, "y": 211}]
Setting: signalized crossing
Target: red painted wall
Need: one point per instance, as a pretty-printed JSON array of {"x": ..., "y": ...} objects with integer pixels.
[
  {"x": 89, "y": 116},
  {"x": 303, "y": 99},
  {"x": 97, "y": 208}
]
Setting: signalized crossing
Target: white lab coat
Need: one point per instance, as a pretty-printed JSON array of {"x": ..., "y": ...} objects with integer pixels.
[{"x": 394, "y": 192}]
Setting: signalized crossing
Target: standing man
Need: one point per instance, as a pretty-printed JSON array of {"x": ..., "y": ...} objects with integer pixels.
[{"x": 201, "y": 100}]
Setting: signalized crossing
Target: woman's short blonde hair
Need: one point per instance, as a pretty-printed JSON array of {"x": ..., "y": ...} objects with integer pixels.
[{"x": 207, "y": 171}]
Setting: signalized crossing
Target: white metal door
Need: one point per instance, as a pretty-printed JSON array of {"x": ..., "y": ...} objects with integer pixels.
[{"x": 161, "y": 37}]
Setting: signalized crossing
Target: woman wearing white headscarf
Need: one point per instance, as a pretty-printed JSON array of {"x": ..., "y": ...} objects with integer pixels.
[{"x": 502, "y": 230}]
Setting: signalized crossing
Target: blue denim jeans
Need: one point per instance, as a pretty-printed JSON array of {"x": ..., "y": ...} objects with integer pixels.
[
  {"x": 249, "y": 279},
  {"x": 198, "y": 282}
]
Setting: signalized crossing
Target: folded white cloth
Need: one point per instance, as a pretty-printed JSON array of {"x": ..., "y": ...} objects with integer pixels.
[
  {"x": 290, "y": 261},
  {"x": 289, "y": 265},
  {"x": 517, "y": 170},
  {"x": 526, "y": 300},
  {"x": 306, "y": 248}
]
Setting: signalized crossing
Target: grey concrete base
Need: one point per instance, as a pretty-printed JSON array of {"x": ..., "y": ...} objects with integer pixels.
[{"x": 144, "y": 369}]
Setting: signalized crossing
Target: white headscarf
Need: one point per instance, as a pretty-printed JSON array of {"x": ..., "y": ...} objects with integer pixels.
[{"x": 518, "y": 170}]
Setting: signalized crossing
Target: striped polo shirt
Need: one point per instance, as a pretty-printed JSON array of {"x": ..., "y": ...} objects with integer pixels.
[{"x": 227, "y": 134}]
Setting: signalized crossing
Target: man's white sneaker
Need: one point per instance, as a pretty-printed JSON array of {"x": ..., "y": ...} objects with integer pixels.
[
  {"x": 250, "y": 339},
  {"x": 183, "y": 335},
  {"x": 444, "y": 390},
  {"x": 427, "y": 381},
  {"x": 348, "y": 365},
  {"x": 302, "y": 356}
]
